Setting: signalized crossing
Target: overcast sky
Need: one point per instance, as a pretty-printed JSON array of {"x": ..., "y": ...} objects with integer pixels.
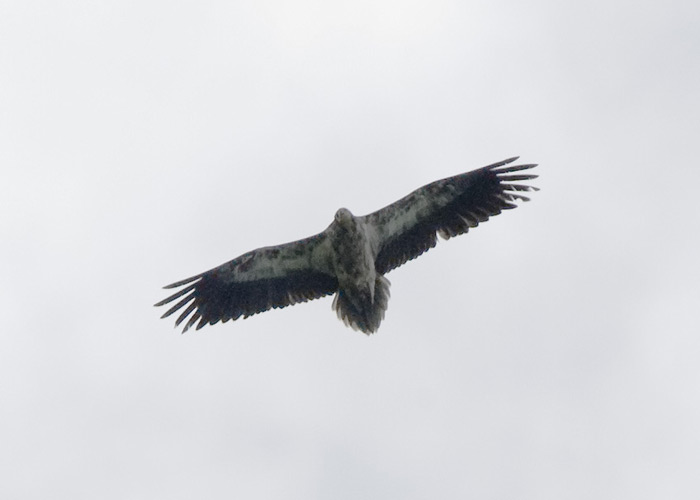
[{"x": 554, "y": 352}]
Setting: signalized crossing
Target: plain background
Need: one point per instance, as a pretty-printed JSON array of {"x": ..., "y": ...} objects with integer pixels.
[{"x": 552, "y": 353}]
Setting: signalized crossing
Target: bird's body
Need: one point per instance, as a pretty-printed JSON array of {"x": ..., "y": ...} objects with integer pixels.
[
  {"x": 351, "y": 256},
  {"x": 363, "y": 293}
]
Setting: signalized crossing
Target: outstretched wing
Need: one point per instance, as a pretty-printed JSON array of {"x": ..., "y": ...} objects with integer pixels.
[
  {"x": 448, "y": 207},
  {"x": 266, "y": 278}
]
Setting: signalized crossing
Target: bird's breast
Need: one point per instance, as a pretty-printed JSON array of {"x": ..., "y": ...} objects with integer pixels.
[{"x": 353, "y": 257}]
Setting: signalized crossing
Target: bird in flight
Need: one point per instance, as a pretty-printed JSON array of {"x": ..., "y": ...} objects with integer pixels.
[{"x": 351, "y": 257}]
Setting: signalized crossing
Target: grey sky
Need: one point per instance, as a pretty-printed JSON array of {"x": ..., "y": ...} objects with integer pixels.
[{"x": 551, "y": 353}]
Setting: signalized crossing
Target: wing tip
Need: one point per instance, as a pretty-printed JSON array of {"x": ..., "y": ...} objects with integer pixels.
[
  {"x": 502, "y": 163},
  {"x": 506, "y": 168},
  {"x": 183, "y": 282}
]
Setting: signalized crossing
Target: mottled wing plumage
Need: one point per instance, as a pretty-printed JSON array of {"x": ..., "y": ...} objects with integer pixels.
[
  {"x": 448, "y": 207},
  {"x": 266, "y": 278}
]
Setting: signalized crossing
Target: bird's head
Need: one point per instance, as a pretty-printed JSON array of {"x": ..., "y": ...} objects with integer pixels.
[{"x": 344, "y": 217}]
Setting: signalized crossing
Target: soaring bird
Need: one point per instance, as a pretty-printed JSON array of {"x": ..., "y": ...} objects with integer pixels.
[{"x": 351, "y": 257}]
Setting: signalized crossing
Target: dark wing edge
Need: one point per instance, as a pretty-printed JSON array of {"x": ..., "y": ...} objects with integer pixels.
[
  {"x": 448, "y": 207},
  {"x": 257, "y": 281}
]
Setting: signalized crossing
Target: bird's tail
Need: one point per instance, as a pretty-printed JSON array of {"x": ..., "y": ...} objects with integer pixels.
[{"x": 363, "y": 313}]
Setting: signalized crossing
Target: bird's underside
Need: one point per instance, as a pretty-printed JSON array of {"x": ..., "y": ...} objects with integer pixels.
[{"x": 351, "y": 257}]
